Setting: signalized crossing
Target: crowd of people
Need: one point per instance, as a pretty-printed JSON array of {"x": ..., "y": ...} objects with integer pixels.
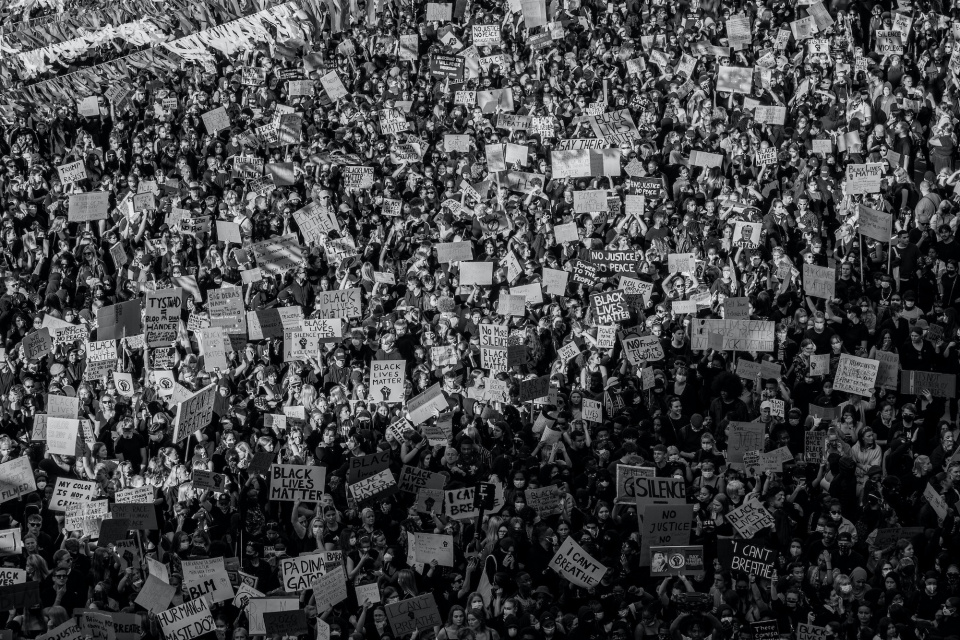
[{"x": 604, "y": 248}]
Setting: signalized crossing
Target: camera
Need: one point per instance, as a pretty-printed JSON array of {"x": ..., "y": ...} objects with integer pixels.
[{"x": 693, "y": 602}]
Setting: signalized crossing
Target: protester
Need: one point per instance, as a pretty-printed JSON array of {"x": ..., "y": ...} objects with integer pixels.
[{"x": 523, "y": 320}]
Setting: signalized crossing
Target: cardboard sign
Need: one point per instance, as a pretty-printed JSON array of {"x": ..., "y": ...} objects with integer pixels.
[
  {"x": 412, "y": 479},
  {"x": 343, "y": 303},
  {"x": 744, "y": 555},
  {"x": 642, "y": 349},
  {"x": 856, "y": 375},
  {"x": 626, "y": 481},
  {"x": 576, "y": 565},
  {"x": 876, "y": 224},
  {"x": 386, "y": 380},
  {"x": 206, "y": 579},
  {"x": 16, "y": 479},
  {"x": 291, "y": 482},
  {"x": 663, "y": 526},
  {"x": 87, "y": 207},
  {"x": 413, "y": 614},
  {"x": 941, "y": 385},
  {"x": 610, "y": 307},
  {"x": 297, "y": 574},
  {"x": 187, "y": 621},
  {"x": 375, "y": 487},
  {"x": 216, "y": 120},
  {"x": 421, "y": 408},
  {"x": 888, "y": 376},
  {"x": 819, "y": 282},
  {"x": 140, "y": 516},
  {"x": 810, "y": 632},
  {"x": 750, "y": 517},
  {"x": 459, "y": 504},
  {"x": 430, "y": 546},
  {"x": 62, "y": 436},
  {"x": 737, "y": 335},
  {"x": 285, "y": 623},
  {"x": 194, "y": 413}
]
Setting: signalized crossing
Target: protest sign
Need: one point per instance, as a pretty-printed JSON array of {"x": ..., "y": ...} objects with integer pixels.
[
  {"x": 459, "y": 503},
  {"x": 610, "y": 307},
  {"x": 386, "y": 380},
  {"x": 430, "y": 546},
  {"x": 285, "y": 623},
  {"x": 87, "y": 207},
  {"x": 662, "y": 526},
  {"x": 737, "y": 335},
  {"x": 856, "y": 375},
  {"x": 16, "y": 479},
  {"x": 648, "y": 491},
  {"x": 626, "y": 481},
  {"x": 876, "y": 224},
  {"x": 811, "y": 632},
  {"x": 206, "y": 578},
  {"x": 140, "y": 516},
  {"x": 216, "y": 120},
  {"x": 187, "y": 621},
  {"x": 750, "y": 517},
  {"x": 413, "y": 614},
  {"x": 545, "y": 500},
  {"x": 747, "y": 556},
  {"x": 374, "y": 487},
  {"x": 420, "y": 408},
  {"x": 62, "y": 436},
  {"x": 293, "y": 482},
  {"x": 676, "y": 560},
  {"x": 640, "y": 349},
  {"x": 412, "y": 479},
  {"x": 360, "y": 467},
  {"x": 888, "y": 375},
  {"x": 576, "y": 565},
  {"x": 941, "y": 385},
  {"x": 819, "y": 282},
  {"x": 194, "y": 413}
]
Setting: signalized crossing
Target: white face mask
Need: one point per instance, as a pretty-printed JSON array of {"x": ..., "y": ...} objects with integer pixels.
[
  {"x": 476, "y": 606},
  {"x": 846, "y": 588},
  {"x": 387, "y": 557},
  {"x": 707, "y": 475}
]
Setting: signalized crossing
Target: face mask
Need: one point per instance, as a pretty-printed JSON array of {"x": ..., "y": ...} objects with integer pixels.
[
  {"x": 328, "y": 438},
  {"x": 598, "y": 616},
  {"x": 512, "y": 632},
  {"x": 931, "y": 589},
  {"x": 387, "y": 557},
  {"x": 846, "y": 588},
  {"x": 41, "y": 485},
  {"x": 795, "y": 552},
  {"x": 518, "y": 506},
  {"x": 885, "y": 572},
  {"x": 184, "y": 545},
  {"x": 519, "y": 483},
  {"x": 476, "y": 606}
]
